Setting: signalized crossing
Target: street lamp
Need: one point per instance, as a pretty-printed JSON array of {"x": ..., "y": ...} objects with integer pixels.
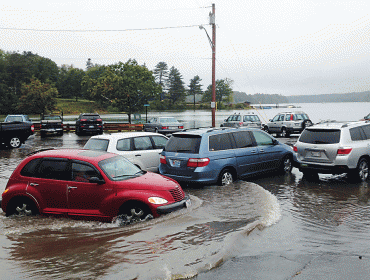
[{"x": 213, "y": 46}]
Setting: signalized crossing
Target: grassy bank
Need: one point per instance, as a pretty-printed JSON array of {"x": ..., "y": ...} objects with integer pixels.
[{"x": 73, "y": 107}]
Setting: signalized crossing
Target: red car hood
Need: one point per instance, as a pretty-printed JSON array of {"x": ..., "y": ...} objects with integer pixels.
[{"x": 148, "y": 181}]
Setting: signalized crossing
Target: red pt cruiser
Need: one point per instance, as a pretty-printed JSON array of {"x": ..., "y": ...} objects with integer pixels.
[{"x": 89, "y": 184}]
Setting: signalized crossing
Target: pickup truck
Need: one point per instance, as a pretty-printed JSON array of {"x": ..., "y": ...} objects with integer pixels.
[
  {"x": 51, "y": 124},
  {"x": 15, "y": 130}
]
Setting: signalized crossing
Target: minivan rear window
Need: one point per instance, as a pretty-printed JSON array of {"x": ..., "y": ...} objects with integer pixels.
[
  {"x": 183, "y": 143},
  {"x": 320, "y": 136}
]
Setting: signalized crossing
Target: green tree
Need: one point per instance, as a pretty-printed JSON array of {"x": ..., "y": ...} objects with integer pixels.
[
  {"x": 125, "y": 86},
  {"x": 41, "y": 68},
  {"x": 7, "y": 97},
  {"x": 161, "y": 75},
  {"x": 176, "y": 89},
  {"x": 70, "y": 82},
  {"x": 18, "y": 68},
  {"x": 37, "y": 97},
  {"x": 224, "y": 92},
  {"x": 195, "y": 87}
]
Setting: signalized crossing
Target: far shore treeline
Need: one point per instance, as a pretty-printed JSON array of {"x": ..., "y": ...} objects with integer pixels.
[{"x": 32, "y": 84}]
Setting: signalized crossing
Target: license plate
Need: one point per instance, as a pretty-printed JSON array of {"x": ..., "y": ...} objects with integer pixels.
[
  {"x": 303, "y": 165},
  {"x": 91, "y": 126},
  {"x": 188, "y": 203},
  {"x": 315, "y": 154},
  {"x": 176, "y": 163}
]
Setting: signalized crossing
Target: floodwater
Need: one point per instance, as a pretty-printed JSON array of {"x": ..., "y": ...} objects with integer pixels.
[{"x": 266, "y": 227}]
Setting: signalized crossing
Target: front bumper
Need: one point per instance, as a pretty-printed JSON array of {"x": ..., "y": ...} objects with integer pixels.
[{"x": 185, "y": 203}]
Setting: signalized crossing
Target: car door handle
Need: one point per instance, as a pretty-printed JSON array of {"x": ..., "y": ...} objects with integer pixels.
[
  {"x": 262, "y": 150},
  {"x": 137, "y": 155},
  {"x": 34, "y": 184},
  {"x": 254, "y": 152},
  {"x": 69, "y": 187}
]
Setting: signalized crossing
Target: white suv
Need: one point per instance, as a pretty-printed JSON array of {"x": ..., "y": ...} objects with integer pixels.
[
  {"x": 141, "y": 148},
  {"x": 335, "y": 148}
]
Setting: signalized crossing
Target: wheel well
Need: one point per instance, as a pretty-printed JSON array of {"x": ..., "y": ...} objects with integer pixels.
[
  {"x": 133, "y": 203},
  {"x": 232, "y": 171},
  {"x": 365, "y": 157},
  {"x": 13, "y": 200}
]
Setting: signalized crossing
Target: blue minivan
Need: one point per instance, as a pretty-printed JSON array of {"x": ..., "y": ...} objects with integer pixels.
[{"x": 223, "y": 155}]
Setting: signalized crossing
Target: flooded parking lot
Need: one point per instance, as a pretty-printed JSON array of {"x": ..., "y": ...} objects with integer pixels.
[{"x": 266, "y": 227}]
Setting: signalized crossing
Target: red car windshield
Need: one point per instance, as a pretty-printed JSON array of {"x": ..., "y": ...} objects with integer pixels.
[{"x": 118, "y": 168}]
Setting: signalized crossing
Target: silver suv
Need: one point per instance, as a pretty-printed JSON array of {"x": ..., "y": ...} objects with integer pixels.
[
  {"x": 284, "y": 124},
  {"x": 335, "y": 148},
  {"x": 237, "y": 120}
]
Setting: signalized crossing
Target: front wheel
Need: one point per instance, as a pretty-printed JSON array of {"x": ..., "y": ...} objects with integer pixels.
[
  {"x": 133, "y": 213},
  {"x": 15, "y": 142},
  {"x": 361, "y": 173},
  {"x": 306, "y": 123},
  {"x": 286, "y": 165},
  {"x": 226, "y": 178}
]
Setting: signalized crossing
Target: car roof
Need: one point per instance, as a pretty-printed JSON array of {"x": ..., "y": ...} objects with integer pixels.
[
  {"x": 78, "y": 154},
  {"x": 121, "y": 135},
  {"x": 211, "y": 130},
  {"x": 337, "y": 124}
]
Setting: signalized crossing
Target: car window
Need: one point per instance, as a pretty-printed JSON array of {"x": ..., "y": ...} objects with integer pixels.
[
  {"x": 167, "y": 120},
  {"x": 320, "y": 136},
  {"x": 183, "y": 143},
  {"x": 118, "y": 168},
  {"x": 97, "y": 144},
  {"x": 276, "y": 118},
  {"x": 29, "y": 169},
  {"x": 366, "y": 129},
  {"x": 220, "y": 142},
  {"x": 14, "y": 119},
  {"x": 357, "y": 134},
  {"x": 159, "y": 141},
  {"x": 243, "y": 139},
  {"x": 124, "y": 144},
  {"x": 143, "y": 143},
  {"x": 83, "y": 172},
  {"x": 53, "y": 169},
  {"x": 262, "y": 139},
  {"x": 251, "y": 118}
]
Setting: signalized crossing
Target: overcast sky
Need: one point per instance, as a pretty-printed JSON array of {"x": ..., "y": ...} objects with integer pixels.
[{"x": 288, "y": 47}]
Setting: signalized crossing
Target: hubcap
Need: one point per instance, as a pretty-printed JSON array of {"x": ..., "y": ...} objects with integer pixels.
[
  {"x": 227, "y": 179},
  {"x": 287, "y": 165},
  {"x": 363, "y": 171},
  {"x": 23, "y": 210},
  {"x": 14, "y": 142}
]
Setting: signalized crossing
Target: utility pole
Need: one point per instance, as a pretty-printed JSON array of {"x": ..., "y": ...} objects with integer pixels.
[{"x": 212, "y": 21}]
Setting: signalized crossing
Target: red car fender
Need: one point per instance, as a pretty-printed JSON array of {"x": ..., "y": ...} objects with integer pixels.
[{"x": 19, "y": 190}]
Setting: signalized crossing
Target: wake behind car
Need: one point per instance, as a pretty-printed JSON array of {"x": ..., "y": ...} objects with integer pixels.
[
  {"x": 335, "y": 148},
  {"x": 89, "y": 184},
  {"x": 89, "y": 123},
  {"x": 141, "y": 148},
  {"x": 222, "y": 155},
  {"x": 284, "y": 124},
  {"x": 164, "y": 125}
]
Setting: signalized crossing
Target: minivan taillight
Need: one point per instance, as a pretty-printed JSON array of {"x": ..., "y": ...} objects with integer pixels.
[
  {"x": 295, "y": 149},
  {"x": 240, "y": 123},
  {"x": 197, "y": 162},
  {"x": 344, "y": 151},
  {"x": 162, "y": 159}
]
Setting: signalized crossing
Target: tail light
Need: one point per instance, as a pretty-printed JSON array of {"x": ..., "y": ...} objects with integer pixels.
[
  {"x": 83, "y": 120},
  {"x": 344, "y": 151},
  {"x": 162, "y": 159},
  {"x": 291, "y": 117},
  {"x": 197, "y": 162},
  {"x": 241, "y": 123},
  {"x": 98, "y": 120},
  {"x": 32, "y": 128},
  {"x": 164, "y": 127},
  {"x": 295, "y": 149},
  {"x": 181, "y": 126}
]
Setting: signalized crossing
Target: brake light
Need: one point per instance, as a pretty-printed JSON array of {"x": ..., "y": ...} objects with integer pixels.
[
  {"x": 98, "y": 120},
  {"x": 295, "y": 149},
  {"x": 241, "y": 123},
  {"x": 164, "y": 127},
  {"x": 162, "y": 159},
  {"x": 197, "y": 162},
  {"x": 32, "y": 128},
  {"x": 83, "y": 120},
  {"x": 344, "y": 151},
  {"x": 291, "y": 117},
  {"x": 181, "y": 126}
]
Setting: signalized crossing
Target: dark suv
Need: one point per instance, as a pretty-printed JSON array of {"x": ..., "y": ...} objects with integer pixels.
[
  {"x": 89, "y": 123},
  {"x": 221, "y": 155}
]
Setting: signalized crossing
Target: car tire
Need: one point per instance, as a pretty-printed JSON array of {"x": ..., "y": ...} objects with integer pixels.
[
  {"x": 156, "y": 130},
  {"x": 21, "y": 206},
  {"x": 361, "y": 173},
  {"x": 286, "y": 165},
  {"x": 61, "y": 133},
  {"x": 133, "y": 212},
  {"x": 306, "y": 123},
  {"x": 284, "y": 132},
  {"x": 42, "y": 134},
  {"x": 266, "y": 128},
  {"x": 78, "y": 131},
  {"x": 14, "y": 142},
  {"x": 226, "y": 178}
]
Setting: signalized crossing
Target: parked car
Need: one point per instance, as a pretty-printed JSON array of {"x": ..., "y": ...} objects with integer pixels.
[
  {"x": 141, "y": 148},
  {"x": 284, "y": 124},
  {"x": 89, "y": 123},
  {"x": 237, "y": 120},
  {"x": 335, "y": 148},
  {"x": 15, "y": 130},
  {"x": 51, "y": 124},
  {"x": 221, "y": 155},
  {"x": 164, "y": 125},
  {"x": 89, "y": 184}
]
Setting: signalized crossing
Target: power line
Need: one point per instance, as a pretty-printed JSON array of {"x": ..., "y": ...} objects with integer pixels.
[{"x": 99, "y": 30}]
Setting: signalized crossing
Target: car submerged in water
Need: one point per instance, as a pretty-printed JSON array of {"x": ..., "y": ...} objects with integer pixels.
[{"x": 92, "y": 185}]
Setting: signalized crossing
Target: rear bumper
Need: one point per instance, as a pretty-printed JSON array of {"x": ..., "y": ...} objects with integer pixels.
[
  {"x": 325, "y": 169},
  {"x": 185, "y": 203}
]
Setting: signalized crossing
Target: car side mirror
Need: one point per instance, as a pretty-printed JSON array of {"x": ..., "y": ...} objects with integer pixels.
[
  {"x": 275, "y": 142},
  {"x": 96, "y": 180}
]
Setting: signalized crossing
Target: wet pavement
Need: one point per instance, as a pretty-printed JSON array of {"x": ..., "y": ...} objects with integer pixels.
[{"x": 265, "y": 227}]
